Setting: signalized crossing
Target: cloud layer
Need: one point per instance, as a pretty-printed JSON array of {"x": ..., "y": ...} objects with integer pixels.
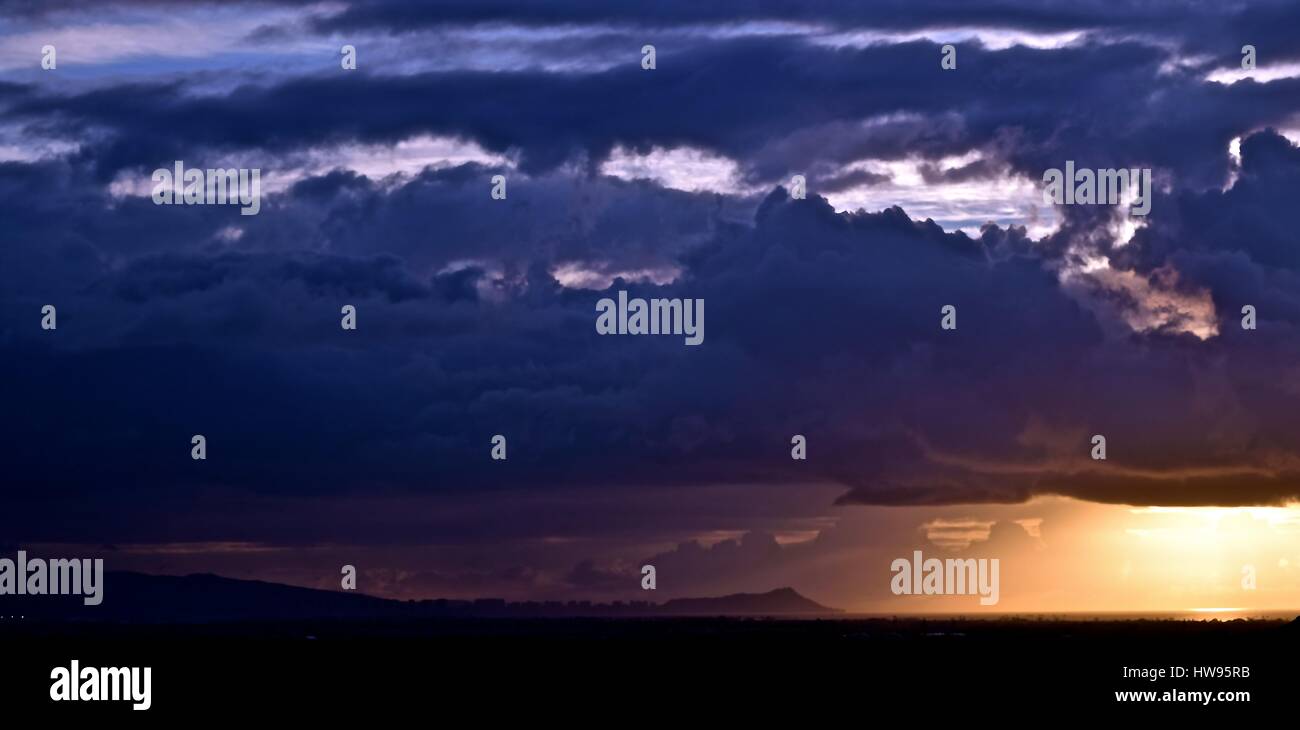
[{"x": 477, "y": 317}]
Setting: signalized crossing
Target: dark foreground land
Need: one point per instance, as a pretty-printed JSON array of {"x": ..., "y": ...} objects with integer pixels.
[{"x": 679, "y": 671}]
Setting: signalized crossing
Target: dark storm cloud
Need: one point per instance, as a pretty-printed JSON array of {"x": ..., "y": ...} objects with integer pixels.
[
  {"x": 553, "y": 218},
  {"x": 1217, "y": 30},
  {"x": 176, "y": 321},
  {"x": 44, "y": 8},
  {"x": 68, "y": 234},
  {"x": 819, "y": 323},
  {"x": 892, "y": 13},
  {"x": 978, "y": 170},
  {"x": 1201, "y": 22},
  {"x": 850, "y": 179},
  {"x": 1204, "y": 23},
  {"x": 1248, "y": 218},
  {"x": 1103, "y": 105}
]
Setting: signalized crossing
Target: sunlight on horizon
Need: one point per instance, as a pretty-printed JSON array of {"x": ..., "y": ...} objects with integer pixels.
[{"x": 1096, "y": 558}]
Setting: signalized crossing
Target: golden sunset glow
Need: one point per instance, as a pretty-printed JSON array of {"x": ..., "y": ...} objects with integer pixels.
[{"x": 1215, "y": 562}]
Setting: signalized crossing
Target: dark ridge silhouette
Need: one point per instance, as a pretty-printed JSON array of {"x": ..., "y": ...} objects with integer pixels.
[
  {"x": 780, "y": 602},
  {"x": 206, "y": 598}
]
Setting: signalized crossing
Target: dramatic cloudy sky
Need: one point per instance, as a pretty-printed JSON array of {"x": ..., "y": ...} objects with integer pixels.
[{"x": 477, "y": 316}]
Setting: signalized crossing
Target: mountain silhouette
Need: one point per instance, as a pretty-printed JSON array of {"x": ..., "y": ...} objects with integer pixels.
[
  {"x": 779, "y": 602},
  {"x": 206, "y": 598}
]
